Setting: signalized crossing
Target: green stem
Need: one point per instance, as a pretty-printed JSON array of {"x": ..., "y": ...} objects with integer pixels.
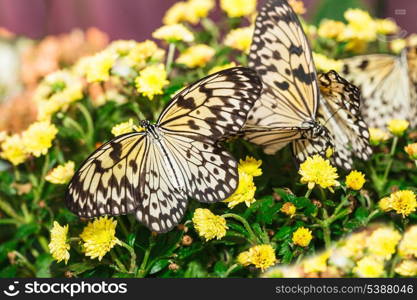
[
  {"x": 41, "y": 183},
  {"x": 394, "y": 262},
  {"x": 143, "y": 267},
  {"x": 170, "y": 57},
  {"x": 389, "y": 165},
  {"x": 230, "y": 270},
  {"x": 253, "y": 239},
  {"x": 8, "y": 209},
  {"x": 25, "y": 261},
  {"x": 132, "y": 252},
  {"x": 308, "y": 193},
  {"x": 120, "y": 266},
  {"x": 90, "y": 125}
]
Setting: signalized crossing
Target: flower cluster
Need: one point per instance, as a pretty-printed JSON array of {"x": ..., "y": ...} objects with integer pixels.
[
  {"x": 261, "y": 256},
  {"x": 402, "y": 202}
]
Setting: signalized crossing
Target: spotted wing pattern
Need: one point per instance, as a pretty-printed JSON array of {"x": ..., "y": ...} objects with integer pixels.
[
  {"x": 281, "y": 55},
  {"x": 153, "y": 173}
]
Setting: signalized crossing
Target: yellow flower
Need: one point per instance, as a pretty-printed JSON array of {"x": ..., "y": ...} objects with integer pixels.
[
  {"x": 121, "y": 47},
  {"x": 98, "y": 237},
  {"x": 97, "y": 68},
  {"x": 175, "y": 14},
  {"x": 125, "y": 127},
  {"x": 397, "y": 45},
  {"x": 411, "y": 150},
  {"x": 302, "y": 237},
  {"x": 331, "y": 29},
  {"x": 377, "y": 136},
  {"x": 354, "y": 245},
  {"x": 245, "y": 191},
  {"x": 316, "y": 263},
  {"x": 317, "y": 170},
  {"x": 196, "y": 56},
  {"x": 221, "y": 68},
  {"x": 325, "y": 63},
  {"x": 12, "y": 150},
  {"x": 355, "y": 180},
  {"x": 56, "y": 91},
  {"x": 404, "y": 202},
  {"x": 408, "y": 245},
  {"x": 297, "y": 6},
  {"x": 173, "y": 33},
  {"x": 383, "y": 242},
  {"x": 251, "y": 166},
  {"x": 58, "y": 246},
  {"x": 385, "y": 204},
  {"x": 261, "y": 256},
  {"x": 288, "y": 208},
  {"x": 360, "y": 26},
  {"x": 386, "y": 26},
  {"x": 37, "y": 139},
  {"x": 208, "y": 225},
  {"x": 398, "y": 127},
  {"x": 61, "y": 174},
  {"x": 238, "y": 8},
  {"x": 144, "y": 51},
  {"x": 407, "y": 268},
  {"x": 191, "y": 11},
  {"x": 240, "y": 39},
  {"x": 369, "y": 266},
  {"x": 152, "y": 80}
]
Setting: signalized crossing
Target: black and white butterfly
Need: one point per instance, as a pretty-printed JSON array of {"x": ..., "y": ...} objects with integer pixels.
[
  {"x": 153, "y": 173},
  {"x": 292, "y": 107}
]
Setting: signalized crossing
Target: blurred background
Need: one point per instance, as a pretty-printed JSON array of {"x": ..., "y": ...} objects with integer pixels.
[
  {"x": 38, "y": 37},
  {"x": 136, "y": 19}
]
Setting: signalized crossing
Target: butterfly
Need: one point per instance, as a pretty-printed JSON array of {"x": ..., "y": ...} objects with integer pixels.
[
  {"x": 291, "y": 108},
  {"x": 388, "y": 84},
  {"x": 152, "y": 173}
]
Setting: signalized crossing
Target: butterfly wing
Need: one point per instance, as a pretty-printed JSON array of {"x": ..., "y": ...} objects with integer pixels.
[
  {"x": 384, "y": 84},
  {"x": 339, "y": 111},
  {"x": 281, "y": 55},
  {"x": 108, "y": 180},
  {"x": 198, "y": 118}
]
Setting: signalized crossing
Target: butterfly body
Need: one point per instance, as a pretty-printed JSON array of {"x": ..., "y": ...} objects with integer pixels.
[{"x": 154, "y": 172}]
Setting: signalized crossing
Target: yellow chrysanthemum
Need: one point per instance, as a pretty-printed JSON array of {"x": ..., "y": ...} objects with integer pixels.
[
  {"x": 245, "y": 191},
  {"x": 97, "y": 68},
  {"x": 354, "y": 245},
  {"x": 58, "y": 247},
  {"x": 385, "y": 204},
  {"x": 240, "y": 39},
  {"x": 316, "y": 263},
  {"x": 221, "y": 68},
  {"x": 251, "y": 166},
  {"x": 98, "y": 237},
  {"x": 398, "y": 127},
  {"x": 144, "y": 51},
  {"x": 238, "y": 8},
  {"x": 297, "y": 6},
  {"x": 331, "y": 29},
  {"x": 261, "y": 256},
  {"x": 317, "y": 170},
  {"x": 196, "y": 56},
  {"x": 302, "y": 237},
  {"x": 190, "y": 11},
  {"x": 355, "y": 180},
  {"x": 56, "y": 91},
  {"x": 383, "y": 242},
  {"x": 404, "y": 202},
  {"x": 369, "y": 266},
  {"x": 288, "y": 208},
  {"x": 208, "y": 225},
  {"x": 61, "y": 174},
  {"x": 407, "y": 268},
  {"x": 37, "y": 139},
  {"x": 173, "y": 33},
  {"x": 386, "y": 26},
  {"x": 397, "y": 45},
  {"x": 152, "y": 80},
  {"x": 377, "y": 136},
  {"x": 121, "y": 47},
  {"x": 408, "y": 245},
  {"x": 125, "y": 127},
  {"x": 360, "y": 26},
  {"x": 411, "y": 150},
  {"x": 175, "y": 14},
  {"x": 325, "y": 63},
  {"x": 12, "y": 149}
]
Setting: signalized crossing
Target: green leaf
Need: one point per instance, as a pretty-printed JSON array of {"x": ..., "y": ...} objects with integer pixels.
[
  {"x": 195, "y": 270},
  {"x": 220, "y": 268},
  {"x": 42, "y": 264},
  {"x": 283, "y": 233},
  {"x": 8, "y": 272},
  {"x": 26, "y": 230},
  {"x": 5, "y": 248},
  {"x": 361, "y": 214},
  {"x": 159, "y": 265},
  {"x": 82, "y": 267}
]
